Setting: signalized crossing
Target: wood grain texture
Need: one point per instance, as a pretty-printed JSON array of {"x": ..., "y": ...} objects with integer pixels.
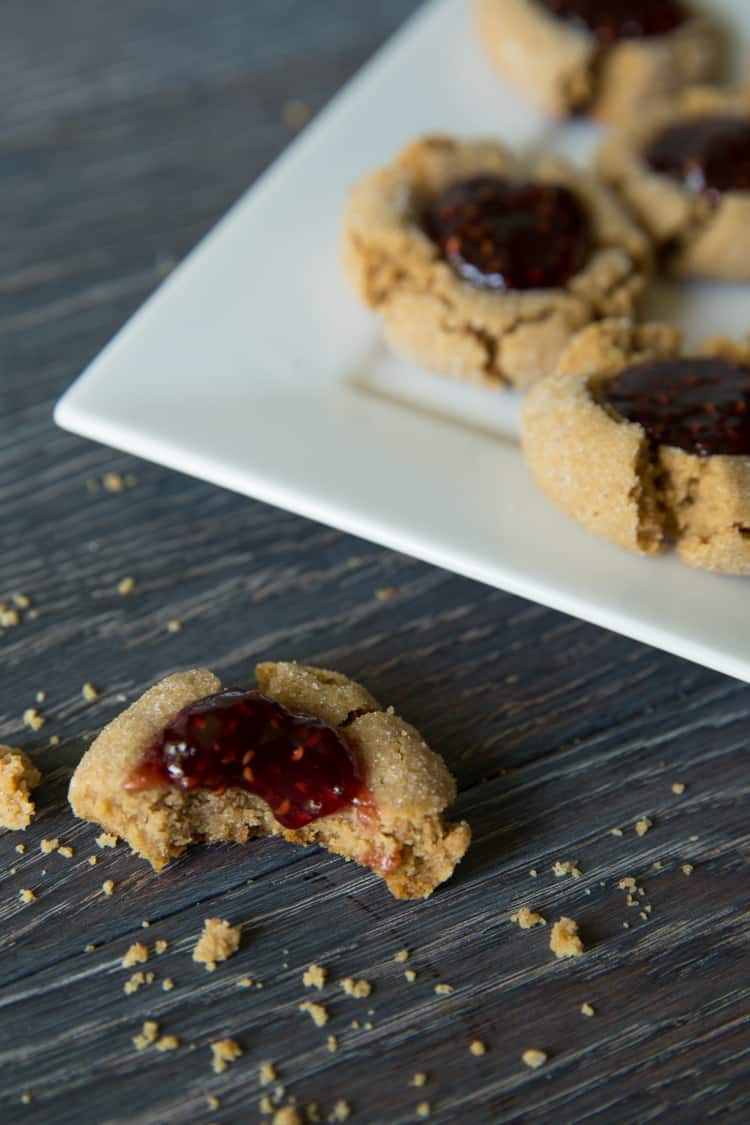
[{"x": 125, "y": 132}]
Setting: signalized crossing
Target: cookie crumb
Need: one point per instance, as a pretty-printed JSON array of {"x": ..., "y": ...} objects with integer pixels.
[
  {"x": 107, "y": 840},
  {"x": 54, "y": 740},
  {"x": 167, "y": 984},
  {"x": 616, "y": 832},
  {"x": 533, "y": 872},
  {"x": 26, "y": 1098},
  {"x": 40, "y": 696},
  {"x": 265, "y": 1105},
  {"x": 627, "y": 884},
  {"x": 566, "y": 867},
  {"x": 136, "y": 954},
  {"x": 527, "y": 918},
  {"x": 133, "y": 983},
  {"x": 312, "y": 1111},
  {"x": 564, "y": 940},
  {"x": 423, "y": 1109},
  {"x": 410, "y": 975},
  {"x": 126, "y": 585},
  {"x": 534, "y": 1058},
  {"x": 316, "y": 1011},
  {"x": 287, "y": 1115},
  {"x": 586, "y": 1009},
  {"x": 89, "y": 692},
  {"x": 418, "y": 1079},
  {"x": 444, "y": 989},
  {"x": 23, "y": 601},
  {"x": 212, "y": 1101},
  {"x": 113, "y": 482},
  {"x": 401, "y": 956},
  {"x": 20, "y": 848},
  {"x": 47, "y": 846},
  {"x": 160, "y": 945},
  {"x": 218, "y": 941},
  {"x": 678, "y": 788},
  {"x": 266, "y": 1073},
  {"x": 245, "y": 982},
  {"x": 167, "y": 1043},
  {"x": 149, "y": 1034},
  {"x": 89, "y": 947},
  {"x": 340, "y": 1111},
  {"x": 386, "y": 593},
  {"x": 359, "y": 989},
  {"x": 65, "y": 851},
  {"x": 314, "y": 976},
  {"x": 224, "y": 1052},
  {"x": 477, "y": 1048},
  {"x": 332, "y": 1044},
  {"x": 32, "y": 719},
  {"x": 26, "y": 896},
  {"x": 642, "y": 826},
  {"x": 108, "y": 887},
  {"x": 93, "y": 860},
  {"x": 9, "y": 617},
  {"x": 687, "y": 869}
]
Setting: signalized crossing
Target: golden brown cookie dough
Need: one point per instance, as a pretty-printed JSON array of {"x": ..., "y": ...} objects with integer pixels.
[
  {"x": 436, "y": 319},
  {"x": 700, "y": 237},
  {"x": 17, "y": 778},
  {"x": 564, "y": 70},
  {"x": 401, "y": 834},
  {"x": 603, "y": 470}
]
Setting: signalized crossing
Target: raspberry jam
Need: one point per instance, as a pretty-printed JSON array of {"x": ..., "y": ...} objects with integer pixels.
[
  {"x": 300, "y": 765},
  {"x": 610, "y": 20},
  {"x": 704, "y": 154},
  {"x": 699, "y": 405},
  {"x": 501, "y": 234}
]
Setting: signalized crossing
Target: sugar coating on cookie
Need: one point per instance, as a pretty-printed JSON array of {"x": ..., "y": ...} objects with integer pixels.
[
  {"x": 618, "y": 480},
  {"x": 683, "y": 168},
  {"x": 18, "y": 776},
  {"x": 593, "y": 60},
  {"x": 395, "y": 825},
  {"x": 440, "y": 297}
]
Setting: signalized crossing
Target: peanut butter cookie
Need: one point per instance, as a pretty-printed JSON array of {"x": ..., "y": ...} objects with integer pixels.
[
  {"x": 483, "y": 265},
  {"x": 648, "y": 447},
  {"x": 607, "y": 58},
  {"x": 683, "y": 167},
  {"x": 314, "y": 759}
]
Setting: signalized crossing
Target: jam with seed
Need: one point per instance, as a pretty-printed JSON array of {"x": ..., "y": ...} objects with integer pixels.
[
  {"x": 611, "y": 20},
  {"x": 300, "y": 765},
  {"x": 505, "y": 234},
  {"x": 704, "y": 154},
  {"x": 699, "y": 405}
]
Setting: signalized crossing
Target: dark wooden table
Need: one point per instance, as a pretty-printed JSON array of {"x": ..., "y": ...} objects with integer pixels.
[{"x": 127, "y": 129}]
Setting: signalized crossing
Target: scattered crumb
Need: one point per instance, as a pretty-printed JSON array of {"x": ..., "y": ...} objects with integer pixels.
[
  {"x": 316, "y": 1011},
  {"x": 265, "y": 1104},
  {"x": 314, "y": 976},
  {"x": 359, "y": 989},
  {"x": 89, "y": 692},
  {"x": 218, "y": 941},
  {"x": 54, "y": 740},
  {"x": 40, "y": 696},
  {"x": 26, "y": 896},
  {"x": 418, "y": 1079},
  {"x": 20, "y": 848},
  {"x": 160, "y": 945},
  {"x": 167, "y": 1043},
  {"x": 386, "y": 593},
  {"x": 678, "y": 788},
  {"x": 534, "y": 1058},
  {"x": 145, "y": 924},
  {"x": 47, "y": 846},
  {"x": 148, "y": 1035},
  {"x": 93, "y": 860},
  {"x": 313, "y": 1114},
  {"x": 23, "y": 601},
  {"x": 340, "y": 1111},
  {"x": 332, "y": 1044},
  {"x": 642, "y": 826},
  {"x": 107, "y": 840},
  {"x": 616, "y": 831},
  {"x": 126, "y": 585},
  {"x": 410, "y": 975},
  {"x": 245, "y": 982},
  {"x": 626, "y": 925},
  {"x": 296, "y": 114},
  {"x": 477, "y": 1048},
  {"x": 136, "y": 954},
  {"x": 423, "y": 1109},
  {"x": 627, "y": 884},
  {"x": 65, "y": 851},
  {"x": 133, "y": 983},
  {"x": 174, "y": 626},
  {"x": 89, "y": 947},
  {"x": 26, "y": 1098},
  {"x": 9, "y": 617},
  {"x": 401, "y": 956},
  {"x": 108, "y": 886},
  {"x": 224, "y": 1051},
  {"x": 586, "y": 1009},
  {"x": 287, "y": 1115},
  {"x": 687, "y": 869},
  {"x": 212, "y": 1101},
  {"x": 566, "y": 867},
  {"x": 266, "y": 1073},
  {"x": 32, "y": 719},
  {"x": 444, "y": 989},
  {"x": 533, "y": 872},
  {"x": 113, "y": 482},
  {"x": 527, "y": 918},
  {"x": 564, "y": 940},
  {"x": 167, "y": 984}
]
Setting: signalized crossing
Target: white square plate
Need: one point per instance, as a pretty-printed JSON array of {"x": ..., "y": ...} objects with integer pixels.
[{"x": 254, "y": 367}]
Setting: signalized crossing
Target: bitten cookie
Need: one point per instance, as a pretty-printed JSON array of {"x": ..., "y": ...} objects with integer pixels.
[
  {"x": 648, "y": 447},
  {"x": 683, "y": 167},
  {"x": 314, "y": 759},
  {"x": 483, "y": 266},
  {"x": 607, "y": 58}
]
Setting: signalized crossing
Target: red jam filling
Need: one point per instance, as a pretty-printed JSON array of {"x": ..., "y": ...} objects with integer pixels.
[
  {"x": 704, "y": 154},
  {"x": 300, "y": 765},
  {"x": 699, "y": 405},
  {"x": 503, "y": 234},
  {"x": 611, "y": 20}
]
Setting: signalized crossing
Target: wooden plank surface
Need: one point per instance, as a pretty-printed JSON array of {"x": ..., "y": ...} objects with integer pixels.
[{"x": 126, "y": 130}]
